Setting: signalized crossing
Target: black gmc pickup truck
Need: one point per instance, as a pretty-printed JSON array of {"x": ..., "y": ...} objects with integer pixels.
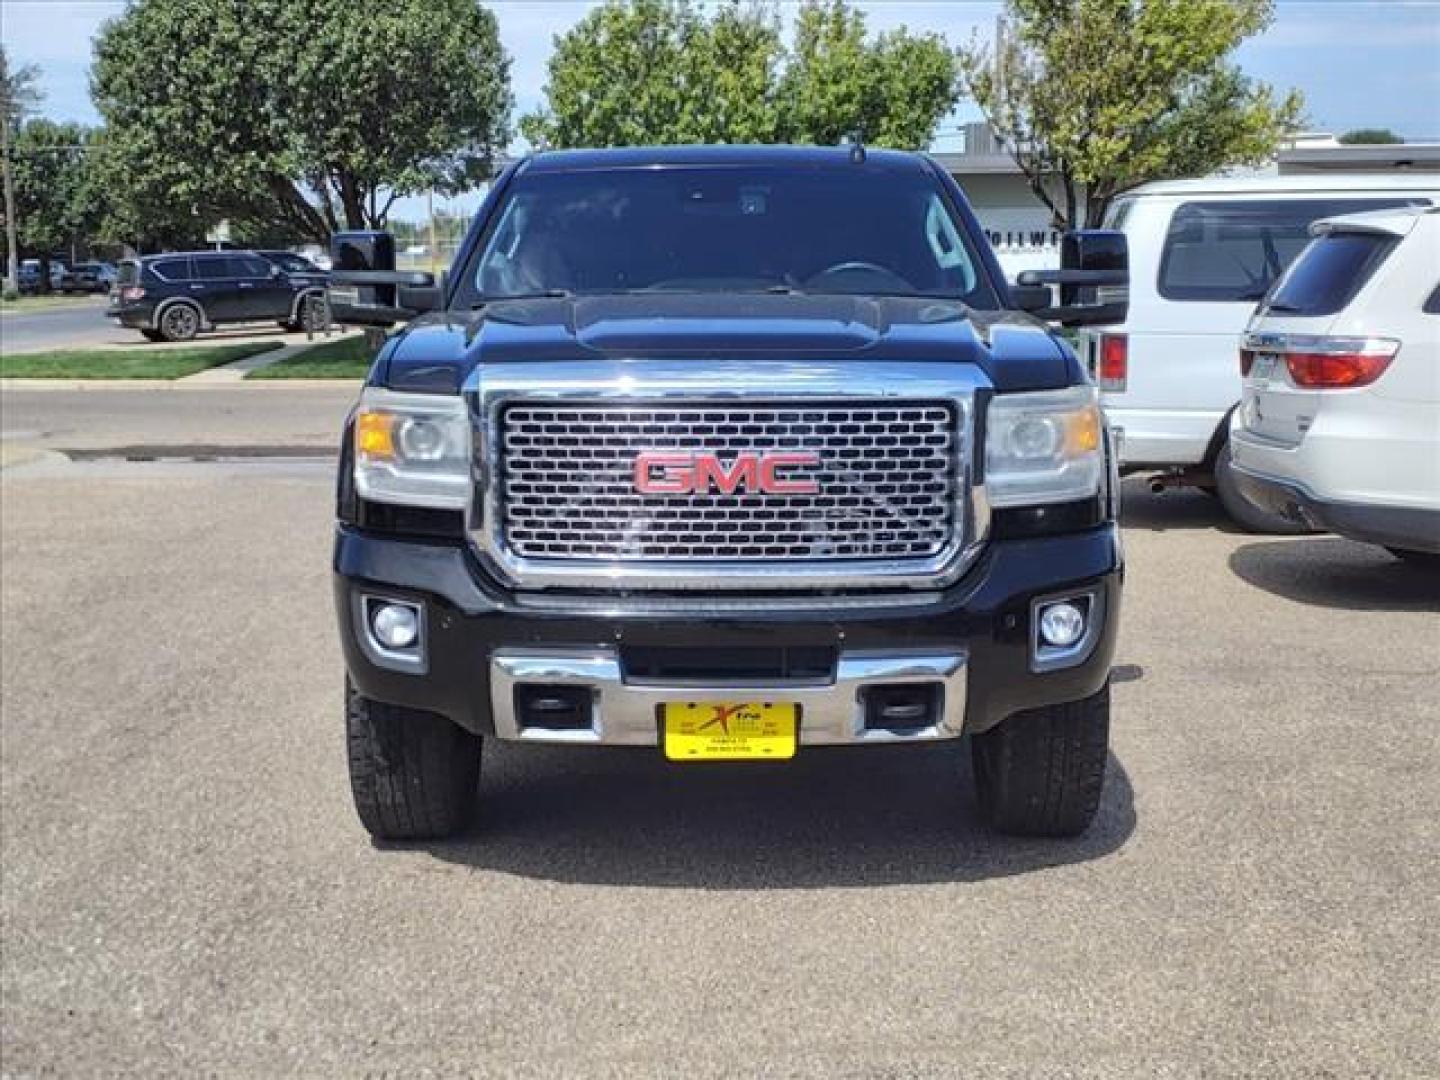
[{"x": 730, "y": 453}]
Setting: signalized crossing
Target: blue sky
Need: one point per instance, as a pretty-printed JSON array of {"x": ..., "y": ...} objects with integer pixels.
[{"x": 1359, "y": 64}]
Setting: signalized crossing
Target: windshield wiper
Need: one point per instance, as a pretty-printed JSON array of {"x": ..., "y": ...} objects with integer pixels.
[{"x": 547, "y": 294}]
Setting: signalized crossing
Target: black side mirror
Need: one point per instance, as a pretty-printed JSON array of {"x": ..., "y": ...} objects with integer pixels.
[
  {"x": 358, "y": 297},
  {"x": 365, "y": 288},
  {"x": 1094, "y": 280},
  {"x": 420, "y": 298}
]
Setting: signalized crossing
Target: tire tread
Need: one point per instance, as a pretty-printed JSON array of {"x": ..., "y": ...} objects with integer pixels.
[
  {"x": 412, "y": 773},
  {"x": 1042, "y": 772}
]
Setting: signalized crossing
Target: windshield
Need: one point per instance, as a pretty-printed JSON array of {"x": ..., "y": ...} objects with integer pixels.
[{"x": 728, "y": 229}]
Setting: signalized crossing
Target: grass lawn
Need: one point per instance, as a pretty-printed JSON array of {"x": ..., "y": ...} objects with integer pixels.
[
  {"x": 29, "y": 303},
  {"x": 347, "y": 358},
  {"x": 138, "y": 363}
]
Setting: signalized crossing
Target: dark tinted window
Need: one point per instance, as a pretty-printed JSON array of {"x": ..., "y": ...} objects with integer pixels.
[
  {"x": 128, "y": 273},
  {"x": 251, "y": 266},
  {"x": 172, "y": 269},
  {"x": 297, "y": 264},
  {"x": 1432, "y": 305},
  {"x": 215, "y": 268},
  {"x": 1235, "y": 250},
  {"x": 1328, "y": 273},
  {"x": 729, "y": 229}
]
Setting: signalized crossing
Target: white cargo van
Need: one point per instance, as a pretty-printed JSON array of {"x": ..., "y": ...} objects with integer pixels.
[{"x": 1202, "y": 254}]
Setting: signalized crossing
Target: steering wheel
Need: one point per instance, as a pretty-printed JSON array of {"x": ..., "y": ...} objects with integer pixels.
[{"x": 893, "y": 282}]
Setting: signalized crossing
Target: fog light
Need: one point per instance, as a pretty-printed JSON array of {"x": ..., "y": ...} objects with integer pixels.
[
  {"x": 396, "y": 626},
  {"x": 1061, "y": 625}
]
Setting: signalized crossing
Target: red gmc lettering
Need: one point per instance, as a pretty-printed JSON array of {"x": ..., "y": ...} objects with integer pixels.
[{"x": 659, "y": 472}]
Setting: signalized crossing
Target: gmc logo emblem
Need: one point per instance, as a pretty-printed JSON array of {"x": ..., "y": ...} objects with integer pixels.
[{"x": 666, "y": 472}]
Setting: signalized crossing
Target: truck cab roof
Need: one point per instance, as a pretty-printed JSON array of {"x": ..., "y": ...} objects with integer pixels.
[{"x": 653, "y": 156}]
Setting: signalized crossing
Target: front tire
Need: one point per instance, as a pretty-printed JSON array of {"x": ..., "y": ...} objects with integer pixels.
[
  {"x": 1242, "y": 511},
  {"x": 180, "y": 322},
  {"x": 412, "y": 773},
  {"x": 1041, "y": 772}
]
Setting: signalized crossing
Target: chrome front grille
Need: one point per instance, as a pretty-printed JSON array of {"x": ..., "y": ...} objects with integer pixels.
[{"x": 887, "y": 479}]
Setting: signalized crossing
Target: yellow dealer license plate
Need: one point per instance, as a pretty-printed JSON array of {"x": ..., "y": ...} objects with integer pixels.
[{"x": 727, "y": 731}]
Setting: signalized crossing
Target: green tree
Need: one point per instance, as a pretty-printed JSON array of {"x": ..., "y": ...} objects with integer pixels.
[
  {"x": 18, "y": 96},
  {"x": 1370, "y": 137},
  {"x": 669, "y": 71},
  {"x": 1097, "y": 96},
  {"x": 891, "y": 90},
  {"x": 661, "y": 72},
  {"x": 56, "y": 205},
  {"x": 310, "y": 115}
]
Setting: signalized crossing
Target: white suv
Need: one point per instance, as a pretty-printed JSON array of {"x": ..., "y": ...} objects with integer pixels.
[
  {"x": 1202, "y": 253},
  {"x": 1339, "y": 426}
]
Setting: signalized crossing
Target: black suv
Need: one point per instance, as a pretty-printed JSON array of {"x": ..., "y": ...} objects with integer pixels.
[{"x": 173, "y": 297}]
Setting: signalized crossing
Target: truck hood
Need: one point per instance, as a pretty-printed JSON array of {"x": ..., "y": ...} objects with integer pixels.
[{"x": 437, "y": 352}]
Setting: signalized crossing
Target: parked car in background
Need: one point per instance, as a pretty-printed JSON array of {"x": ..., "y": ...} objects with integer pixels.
[
  {"x": 1339, "y": 427},
  {"x": 28, "y": 280},
  {"x": 174, "y": 297},
  {"x": 1202, "y": 253},
  {"x": 88, "y": 277}
]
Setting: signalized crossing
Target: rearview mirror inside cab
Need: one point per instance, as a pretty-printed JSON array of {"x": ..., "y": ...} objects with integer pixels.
[
  {"x": 366, "y": 289},
  {"x": 1094, "y": 281}
]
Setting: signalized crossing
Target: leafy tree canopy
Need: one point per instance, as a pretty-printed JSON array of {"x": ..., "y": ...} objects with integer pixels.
[
  {"x": 1370, "y": 137},
  {"x": 57, "y": 206},
  {"x": 1106, "y": 94},
  {"x": 311, "y": 115},
  {"x": 668, "y": 71},
  {"x": 18, "y": 96},
  {"x": 19, "y": 93}
]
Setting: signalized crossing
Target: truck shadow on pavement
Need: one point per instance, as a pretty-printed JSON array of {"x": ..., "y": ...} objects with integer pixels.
[
  {"x": 1328, "y": 571},
  {"x": 829, "y": 818}
]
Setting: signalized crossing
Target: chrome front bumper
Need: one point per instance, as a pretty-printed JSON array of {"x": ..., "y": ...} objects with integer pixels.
[{"x": 626, "y": 712}]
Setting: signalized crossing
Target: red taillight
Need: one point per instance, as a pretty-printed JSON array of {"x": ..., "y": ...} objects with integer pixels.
[
  {"x": 1114, "y": 361},
  {"x": 1336, "y": 371},
  {"x": 132, "y": 292},
  {"x": 1247, "y": 361}
]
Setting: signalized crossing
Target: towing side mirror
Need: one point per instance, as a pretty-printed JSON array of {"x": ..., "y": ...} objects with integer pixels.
[
  {"x": 365, "y": 288},
  {"x": 1094, "y": 281}
]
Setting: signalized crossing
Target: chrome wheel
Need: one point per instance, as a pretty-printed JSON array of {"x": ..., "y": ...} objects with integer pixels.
[{"x": 181, "y": 323}]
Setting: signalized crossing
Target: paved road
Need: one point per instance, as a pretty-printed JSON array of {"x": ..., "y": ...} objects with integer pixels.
[
  {"x": 73, "y": 325},
  {"x": 259, "y": 414},
  {"x": 186, "y": 890},
  {"x": 83, "y": 325}
]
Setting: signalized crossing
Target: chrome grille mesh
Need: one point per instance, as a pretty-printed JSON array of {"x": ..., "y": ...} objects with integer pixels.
[{"x": 887, "y": 478}]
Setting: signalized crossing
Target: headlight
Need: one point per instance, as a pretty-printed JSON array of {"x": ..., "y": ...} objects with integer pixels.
[
  {"x": 1043, "y": 447},
  {"x": 413, "y": 449}
]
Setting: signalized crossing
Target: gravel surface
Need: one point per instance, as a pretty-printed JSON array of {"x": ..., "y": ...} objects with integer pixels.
[{"x": 186, "y": 890}]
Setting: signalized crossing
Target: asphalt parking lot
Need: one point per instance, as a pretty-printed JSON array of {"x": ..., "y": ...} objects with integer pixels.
[
  {"x": 186, "y": 890},
  {"x": 80, "y": 323}
]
